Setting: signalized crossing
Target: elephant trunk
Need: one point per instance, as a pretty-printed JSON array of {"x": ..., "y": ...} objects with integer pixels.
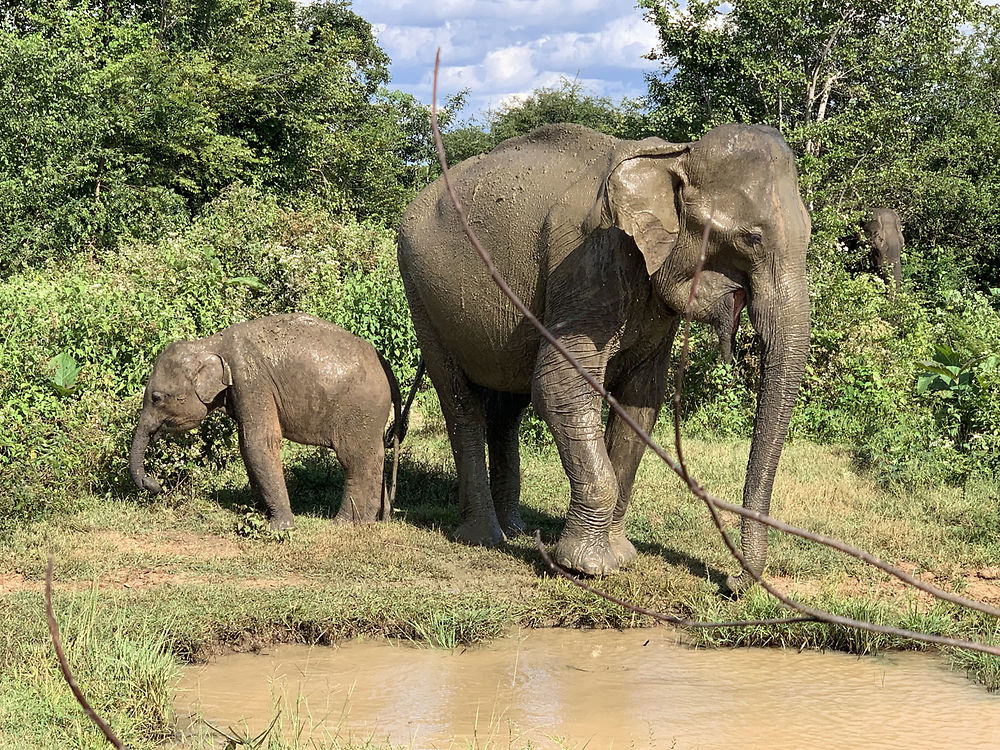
[
  {"x": 144, "y": 432},
  {"x": 897, "y": 275},
  {"x": 779, "y": 311}
]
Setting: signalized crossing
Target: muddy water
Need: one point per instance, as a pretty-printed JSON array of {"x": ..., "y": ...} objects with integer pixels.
[{"x": 599, "y": 689}]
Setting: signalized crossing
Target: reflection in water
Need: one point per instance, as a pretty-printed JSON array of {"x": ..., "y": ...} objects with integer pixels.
[{"x": 601, "y": 689}]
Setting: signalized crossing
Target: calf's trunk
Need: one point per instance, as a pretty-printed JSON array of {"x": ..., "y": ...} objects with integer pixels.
[{"x": 144, "y": 432}]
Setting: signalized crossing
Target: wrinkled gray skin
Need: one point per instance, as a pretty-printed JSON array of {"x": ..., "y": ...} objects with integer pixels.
[
  {"x": 601, "y": 238},
  {"x": 283, "y": 376},
  {"x": 883, "y": 230}
]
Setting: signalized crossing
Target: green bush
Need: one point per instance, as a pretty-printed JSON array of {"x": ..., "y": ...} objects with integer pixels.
[
  {"x": 81, "y": 337},
  {"x": 869, "y": 353}
]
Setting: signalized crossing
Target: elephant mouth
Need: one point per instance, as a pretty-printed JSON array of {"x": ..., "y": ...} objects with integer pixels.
[{"x": 739, "y": 302}]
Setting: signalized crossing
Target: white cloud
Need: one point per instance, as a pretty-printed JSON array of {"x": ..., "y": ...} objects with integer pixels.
[
  {"x": 415, "y": 44},
  {"x": 503, "y": 49},
  {"x": 620, "y": 43},
  {"x": 509, "y": 66}
]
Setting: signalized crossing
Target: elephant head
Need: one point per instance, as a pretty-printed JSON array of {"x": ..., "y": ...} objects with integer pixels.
[
  {"x": 884, "y": 233},
  {"x": 740, "y": 184},
  {"x": 189, "y": 380}
]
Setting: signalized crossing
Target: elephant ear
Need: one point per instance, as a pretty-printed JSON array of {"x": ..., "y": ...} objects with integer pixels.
[
  {"x": 640, "y": 198},
  {"x": 212, "y": 377}
]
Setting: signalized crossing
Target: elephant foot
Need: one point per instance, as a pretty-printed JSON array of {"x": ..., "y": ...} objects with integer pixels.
[
  {"x": 624, "y": 549},
  {"x": 282, "y": 523},
  {"x": 593, "y": 556},
  {"x": 348, "y": 519},
  {"x": 738, "y": 584},
  {"x": 485, "y": 533},
  {"x": 511, "y": 523},
  {"x": 354, "y": 513}
]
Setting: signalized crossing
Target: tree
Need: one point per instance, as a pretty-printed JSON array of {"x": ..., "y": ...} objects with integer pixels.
[
  {"x": 568, "y": 102},
  {"x": 885, "y": 102},
  {"x": 128, "y": 117}
]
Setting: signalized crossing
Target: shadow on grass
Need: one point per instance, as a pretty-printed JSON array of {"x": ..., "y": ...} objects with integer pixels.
[
  {"x": 426, "y": 497},
  {"x": 551, "y": 526}
]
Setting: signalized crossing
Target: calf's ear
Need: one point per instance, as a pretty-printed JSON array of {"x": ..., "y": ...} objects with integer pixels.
[{"x": 212, "y": 377}]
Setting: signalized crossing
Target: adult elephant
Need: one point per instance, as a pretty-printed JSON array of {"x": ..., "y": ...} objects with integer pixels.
[
  {"x": 601, "y": 238},
  {"x": 883, "y": 231}
]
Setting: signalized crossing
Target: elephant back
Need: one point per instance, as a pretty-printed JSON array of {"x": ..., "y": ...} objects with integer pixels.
[{"x": 508, "y": 192}]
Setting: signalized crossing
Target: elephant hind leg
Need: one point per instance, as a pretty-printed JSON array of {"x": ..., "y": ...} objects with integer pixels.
[
  {"x": 363, "y": 463},
  {"x": 463, "y": 407},
  {"x": 503, "y": 418}
]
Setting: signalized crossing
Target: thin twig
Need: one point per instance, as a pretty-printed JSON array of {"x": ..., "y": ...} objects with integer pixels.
[
  {"x": 713, "y": 503},
  {"x": 662, "y": 616},
  {"x": 64, "y": 665}
]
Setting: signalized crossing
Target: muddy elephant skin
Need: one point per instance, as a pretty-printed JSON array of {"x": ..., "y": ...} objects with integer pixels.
[
  {"x": 284, "y": 376},
  {"x": 601, "y": 238}
]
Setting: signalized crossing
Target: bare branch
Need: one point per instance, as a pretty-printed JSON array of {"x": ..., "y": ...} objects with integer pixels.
[
  {"x": 714, "y": 504},
  {"x": 663, "y": 617},
  {"x": 64, "y": 665}
]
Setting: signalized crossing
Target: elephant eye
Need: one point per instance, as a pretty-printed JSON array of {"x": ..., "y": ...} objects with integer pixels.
[
  {"x": 157, "y": 397},
  {"x": 755, "y": 238}
]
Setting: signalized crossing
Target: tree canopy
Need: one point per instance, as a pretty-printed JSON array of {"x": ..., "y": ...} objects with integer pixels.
[{"x": 123, "y": 117}]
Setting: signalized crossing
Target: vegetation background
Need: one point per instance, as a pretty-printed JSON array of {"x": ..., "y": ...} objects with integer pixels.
[{"x": 169, "y": 168}]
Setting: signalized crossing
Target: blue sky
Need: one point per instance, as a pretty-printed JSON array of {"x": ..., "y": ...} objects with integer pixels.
[{"x": 500, "y": 49}]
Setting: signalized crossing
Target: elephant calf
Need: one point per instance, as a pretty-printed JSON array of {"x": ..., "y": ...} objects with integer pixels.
[{"x": 291, "y": 376}]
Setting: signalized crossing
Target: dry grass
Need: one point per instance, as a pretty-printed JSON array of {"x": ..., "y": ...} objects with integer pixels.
[{"x": 177, "y": 565}]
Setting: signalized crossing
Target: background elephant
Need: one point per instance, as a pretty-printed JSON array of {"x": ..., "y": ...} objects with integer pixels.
[
  {"x": 292, "y": 376},
  {"x": 884, "y": 232},
  {"x": 601, "y": 238},
  {"x": 877, "y": 246}
]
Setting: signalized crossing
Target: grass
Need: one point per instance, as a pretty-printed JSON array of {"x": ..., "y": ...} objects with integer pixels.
[{"x": 144, "y": 585}]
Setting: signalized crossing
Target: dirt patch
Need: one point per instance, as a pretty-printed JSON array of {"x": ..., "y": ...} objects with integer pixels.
[
  {"x": 172, "y": 544},
  {"x": 980, "y": 584},
  {"x": 10, "y": 582}
]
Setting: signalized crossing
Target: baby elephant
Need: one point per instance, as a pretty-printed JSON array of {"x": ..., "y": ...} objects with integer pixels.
[{"x": 292, "y": 376}]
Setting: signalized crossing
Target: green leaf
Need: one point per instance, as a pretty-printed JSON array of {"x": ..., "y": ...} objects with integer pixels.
[
  {"x": 249, "y": 281},
  {"x": 63, "y": 373}
]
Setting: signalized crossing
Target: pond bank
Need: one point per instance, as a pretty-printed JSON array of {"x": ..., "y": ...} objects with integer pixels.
[{"x": 143, "y": 585}]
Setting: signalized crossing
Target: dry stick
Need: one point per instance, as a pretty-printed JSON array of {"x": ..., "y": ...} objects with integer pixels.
[
  {"x": 662, "y": 616},
  {"x": 714, "y": 503},
  {"x": 64, "y": 665}
]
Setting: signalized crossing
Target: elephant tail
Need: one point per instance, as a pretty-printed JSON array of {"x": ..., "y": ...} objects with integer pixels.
[
  {"x": 397, "y": 430},
  {"x": 417, "y": 378}
]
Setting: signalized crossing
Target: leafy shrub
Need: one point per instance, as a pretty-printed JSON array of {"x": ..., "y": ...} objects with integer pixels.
[
  {"x": 870, "y": 378},
  {"x": 80, "y": 338}
]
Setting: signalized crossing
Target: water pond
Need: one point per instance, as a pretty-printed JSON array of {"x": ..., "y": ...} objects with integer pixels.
[{"x": 595, "y": 689}]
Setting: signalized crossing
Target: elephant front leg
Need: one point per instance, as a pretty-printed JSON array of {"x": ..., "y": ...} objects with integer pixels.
[
  {"x": 573, "y": 412},
  {"x": 260, "y": 446},
  {"x": 641, "y": 396}
]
